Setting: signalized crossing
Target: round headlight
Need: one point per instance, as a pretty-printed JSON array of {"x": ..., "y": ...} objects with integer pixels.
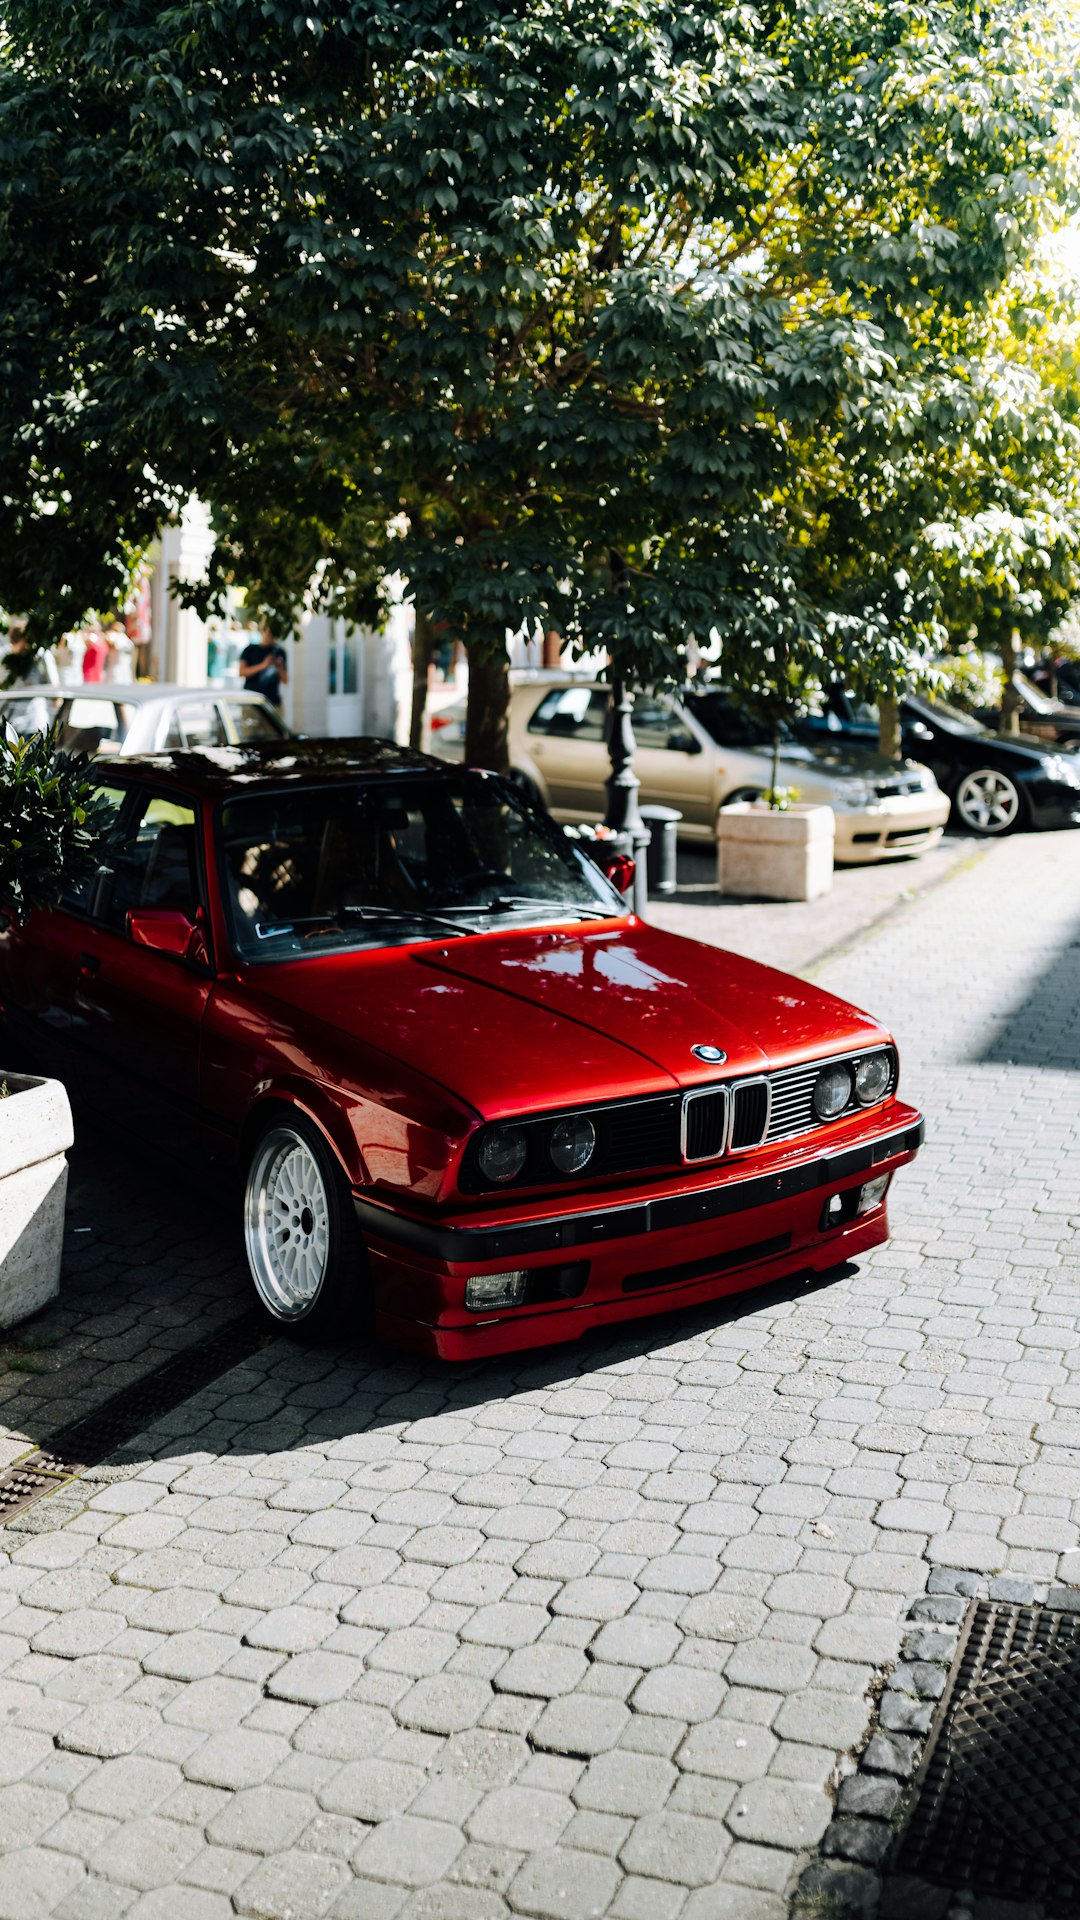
[
  {"x": 872, "y": 1077},
  {"x": 571, "y": 1145},
  {"x": 502, "y": 1153},
  {"x": 832, "y": 1091}
]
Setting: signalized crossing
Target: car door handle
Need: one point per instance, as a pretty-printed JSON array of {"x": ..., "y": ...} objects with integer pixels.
[{"x": 89, "y": 964}]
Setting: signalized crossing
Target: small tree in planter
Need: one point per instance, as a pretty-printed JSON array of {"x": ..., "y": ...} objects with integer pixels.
[
  {"x": 775, "y": 847},
  {"x": 53, "y": 831}
]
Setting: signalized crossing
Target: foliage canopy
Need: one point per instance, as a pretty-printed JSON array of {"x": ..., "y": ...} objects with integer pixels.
[{"x": 611, "y": 316}]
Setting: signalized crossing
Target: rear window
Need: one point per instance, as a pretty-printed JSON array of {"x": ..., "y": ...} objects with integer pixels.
[{"x": 249, "y": 721}]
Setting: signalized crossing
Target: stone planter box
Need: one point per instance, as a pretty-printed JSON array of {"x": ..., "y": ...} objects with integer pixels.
[
  {"x": 774, "y": 856},
  {"x": 35, "y": 1133}
]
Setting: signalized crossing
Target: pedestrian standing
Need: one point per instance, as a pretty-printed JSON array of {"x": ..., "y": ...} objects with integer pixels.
[
  {"x": 263, "y": 669},
  {"x": 120, "y": 662},
  {"x": 95, "y": 654}
]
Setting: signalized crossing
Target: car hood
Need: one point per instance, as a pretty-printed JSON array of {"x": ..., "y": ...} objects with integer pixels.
[
  {"x": 525, "y": 1021},
  {"x": 838, "y": 759}
]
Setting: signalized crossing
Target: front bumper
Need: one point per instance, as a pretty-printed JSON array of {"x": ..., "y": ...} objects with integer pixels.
[
  {"x": 591, "y": 1267},
  {"x": 906, "y": 823}
]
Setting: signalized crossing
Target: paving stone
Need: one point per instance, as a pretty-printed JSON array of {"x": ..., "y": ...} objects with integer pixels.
[
  {"x": 34, "y": 1880},
  {"x": 299, "y": 1884},
  {"x": 411, "y": 1853},
  {"x": 519, "y": 1817},
  {"x": 680, "y": 1847},
  {"x": 580, "y": 1724},
  {"x": 261, "y": 1819},
  {"x": 779, "y": 1813},
  {"x": 728, "y": 1750},
  {"x": 680, "y": 1693},
  {"x": 564, "y": 1884},
  {"x": 146, "y": 1853},
  {"x": 443, "y": 1703},
  {"x": 238, "y": 1758},
  {"x": 727, "y": 1902},
  {"x": 314, "y": 1678},
  {"x": 637, "y": 1641},
  {"x": 625, "y": 1783},
  {"x": 372, "y": 1789},
  {"x": 542, "y": 1671}
]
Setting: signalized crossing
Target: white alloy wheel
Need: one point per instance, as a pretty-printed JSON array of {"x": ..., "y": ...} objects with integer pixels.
[
  {"x": 988, "y": 801},
  {"x": 287, "y": 1224}
]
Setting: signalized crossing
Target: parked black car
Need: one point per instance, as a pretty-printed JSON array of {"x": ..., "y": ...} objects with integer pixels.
[
  {"x": 995, "y": 783},
  {"x": 1041, "y": 718}
]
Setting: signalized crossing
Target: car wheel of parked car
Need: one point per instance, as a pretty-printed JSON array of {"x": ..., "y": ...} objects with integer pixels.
[
  {"x": 742, "y": 794},
  {"x": 988, "y": 801},
  {"x": 303, "y": 1245}
]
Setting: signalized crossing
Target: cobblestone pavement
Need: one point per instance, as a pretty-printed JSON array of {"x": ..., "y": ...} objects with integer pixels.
[
  {"x": 588, "y": 1634},
  {"x": 797, "y": 933}
]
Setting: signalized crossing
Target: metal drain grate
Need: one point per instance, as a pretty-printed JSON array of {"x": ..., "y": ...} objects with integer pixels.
[
  {"x": 998, "y": 1806},
  {"x": 90, "y": 1440}
]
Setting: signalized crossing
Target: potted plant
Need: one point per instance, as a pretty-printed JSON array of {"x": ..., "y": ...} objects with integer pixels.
[
  {"x": 775, "y": 847},
  {"x": 53, "y": 830}
]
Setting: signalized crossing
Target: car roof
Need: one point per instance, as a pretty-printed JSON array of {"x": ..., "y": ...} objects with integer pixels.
[
  {"x": 130, "y": 693},
  {"x": 275, "y": 763}
]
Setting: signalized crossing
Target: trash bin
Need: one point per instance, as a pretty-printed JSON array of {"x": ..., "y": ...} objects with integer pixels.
[{"x": 663, "y": 825}]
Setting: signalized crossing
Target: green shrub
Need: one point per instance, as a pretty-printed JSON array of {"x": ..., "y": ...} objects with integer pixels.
[{"x": 54, "y": 827}]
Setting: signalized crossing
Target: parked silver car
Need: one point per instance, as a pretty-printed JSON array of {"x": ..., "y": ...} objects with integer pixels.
[{"x": 141, "y": 718}]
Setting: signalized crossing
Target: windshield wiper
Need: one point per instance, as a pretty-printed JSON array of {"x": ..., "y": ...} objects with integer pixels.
[
  {"x": 514, "y": 902},
  {"x": 405, "y": 913},
  {"x": 331, "y": 921}
]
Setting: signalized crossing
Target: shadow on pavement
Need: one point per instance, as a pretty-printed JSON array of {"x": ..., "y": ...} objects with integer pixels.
[
  {"x": 1044, "y": 1030},
  {"x": 153, "y": 1263}
]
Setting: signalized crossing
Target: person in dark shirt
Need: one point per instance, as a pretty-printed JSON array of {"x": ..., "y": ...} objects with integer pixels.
[{"x": 263, "y": 669}]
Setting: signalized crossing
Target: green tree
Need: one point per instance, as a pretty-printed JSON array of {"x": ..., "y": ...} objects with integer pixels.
[{"x": 552, "y": 309}]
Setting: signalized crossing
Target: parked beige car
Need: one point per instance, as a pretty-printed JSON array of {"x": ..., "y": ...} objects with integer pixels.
[{"x": 699, "y": 752}]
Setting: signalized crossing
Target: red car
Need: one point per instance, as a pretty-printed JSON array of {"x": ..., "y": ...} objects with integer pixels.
[{"x": 465, "y": 1087}]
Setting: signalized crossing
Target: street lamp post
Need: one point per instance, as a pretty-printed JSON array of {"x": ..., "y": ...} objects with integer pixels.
[{"x": 623, "y": 813}]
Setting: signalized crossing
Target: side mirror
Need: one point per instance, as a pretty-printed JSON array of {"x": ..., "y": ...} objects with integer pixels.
[
  {"x": 619, "y": 868},
  {"x": 683, "y": 741},
  {"x": 165, "y": 930}
]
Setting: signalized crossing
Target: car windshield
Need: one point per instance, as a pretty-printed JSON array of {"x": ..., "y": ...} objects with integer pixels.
[
  {"x": 378, "y": 863},
  {"x": 726, "y": 722},
  {"x": 951, "y": 718}
]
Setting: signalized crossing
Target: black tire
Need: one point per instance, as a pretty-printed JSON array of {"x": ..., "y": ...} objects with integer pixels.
[
  {"x": 741, "y": 794},
  {"x": 989, "y": 802},
  {"x": 305, "y": 1253}
]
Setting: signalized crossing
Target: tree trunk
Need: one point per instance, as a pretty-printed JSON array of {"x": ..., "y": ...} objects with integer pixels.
[
  {"x": 1010, "y": 699},
  {"x": 889, "y": 727},
  {"x": 487, "y": 714},
  {"x": 423, "y": 645}
]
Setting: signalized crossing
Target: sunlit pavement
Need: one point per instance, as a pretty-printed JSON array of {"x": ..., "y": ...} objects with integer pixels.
[{"x": 587, "y": 1634}]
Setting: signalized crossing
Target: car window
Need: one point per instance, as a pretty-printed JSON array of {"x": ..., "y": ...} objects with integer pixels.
[
  {"x": 250, "y": 721},
  {"x": 729, "y": 724},
  {"x": 80, "y": 899},
  {"x": 574, "y": 713},
  {"x": 31, "y": 712},
  {"x": 654, "y": 723},
  {"x": 196, "y": 724},
  {"x": 94, "y": 726},
  {"x": 374, "y": 863},
  {"x": 155, "y": 865}
]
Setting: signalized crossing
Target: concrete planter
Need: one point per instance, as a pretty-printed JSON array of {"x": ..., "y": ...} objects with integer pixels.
[
  {"x": 35, "y": 1133},
  {"x": 774, "y": 856}
]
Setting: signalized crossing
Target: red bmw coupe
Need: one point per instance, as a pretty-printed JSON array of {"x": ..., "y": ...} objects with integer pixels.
[{"x": 467, "y": 1090}]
